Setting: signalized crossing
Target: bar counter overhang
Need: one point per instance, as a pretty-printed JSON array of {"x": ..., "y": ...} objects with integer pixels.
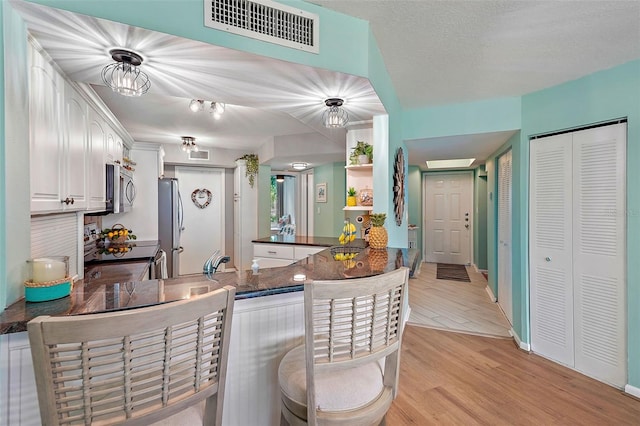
[{"x": 101, "y": 295}]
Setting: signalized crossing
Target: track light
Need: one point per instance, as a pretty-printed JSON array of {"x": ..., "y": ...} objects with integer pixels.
[
  {"x": 217, "y": 109},
  {"x": 189, "y": 144},
  {"x": 196, "y": 105}
]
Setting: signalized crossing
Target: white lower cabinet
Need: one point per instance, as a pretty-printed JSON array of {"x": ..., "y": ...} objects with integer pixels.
[
  {"x": 273, "y": 255},
  {"x": 264, "y": 329},
  {"x": 18, "y": 397}
]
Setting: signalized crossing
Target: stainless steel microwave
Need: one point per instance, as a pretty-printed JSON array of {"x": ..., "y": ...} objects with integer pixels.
[{"x": 121, "y": 190}]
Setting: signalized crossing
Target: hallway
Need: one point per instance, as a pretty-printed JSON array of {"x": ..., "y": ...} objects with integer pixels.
[{"x": 455, "y": 305}]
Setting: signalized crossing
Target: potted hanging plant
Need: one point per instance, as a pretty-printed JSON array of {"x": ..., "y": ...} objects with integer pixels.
[
  {"x": 363, "y": 152},
  {"x": 252, "y": 167},
  {"x": 351, "y": 197}
]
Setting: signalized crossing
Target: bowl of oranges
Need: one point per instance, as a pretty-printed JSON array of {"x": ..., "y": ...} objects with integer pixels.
[{"x": 117, "y": 234}]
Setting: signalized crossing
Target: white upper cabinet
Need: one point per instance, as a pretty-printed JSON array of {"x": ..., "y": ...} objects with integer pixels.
[
  {"x": 58, "y": 139},
  {"x": 46, "y": 139},
  {"x": 114, "y": 146},
  {"x": 70, "y": 142},
  {"x": 77, "y": 148},
  {"x": 96, "y": 170}
]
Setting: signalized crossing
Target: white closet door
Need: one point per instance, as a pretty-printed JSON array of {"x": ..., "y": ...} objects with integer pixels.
[
  {"x": 204, "y": 228},
  {"x": 551, "y": 248},
  {"x": 599, "y": 254},
  {"x": 505, "y": 293}
]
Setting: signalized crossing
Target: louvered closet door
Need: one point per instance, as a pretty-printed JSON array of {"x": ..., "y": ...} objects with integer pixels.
[
  {"x": 505, "y": 293},
  {"x": 551, "y": 248},
  {"x": 577, "y": 251},
  {"x": 599, "y": 253}
]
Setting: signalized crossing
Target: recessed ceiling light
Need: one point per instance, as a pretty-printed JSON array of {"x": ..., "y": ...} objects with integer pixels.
[
  {"x": 299, "y": 166},
  {"x": 450, "y": 164}
]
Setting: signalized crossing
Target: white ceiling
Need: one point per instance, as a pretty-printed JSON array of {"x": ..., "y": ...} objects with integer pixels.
[{"x": 436, "y": 52}]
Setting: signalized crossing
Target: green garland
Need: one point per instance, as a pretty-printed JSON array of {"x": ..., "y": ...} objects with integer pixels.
[{"x": 253, "y": 165}]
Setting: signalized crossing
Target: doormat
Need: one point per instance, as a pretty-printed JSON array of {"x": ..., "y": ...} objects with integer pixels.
[{"x": 448, "y": 271}]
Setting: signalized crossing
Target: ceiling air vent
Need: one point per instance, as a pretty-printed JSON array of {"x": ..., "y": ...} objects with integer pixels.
[
  {"x": 200, "y": 155},
  {"x": 264, "y": 20}
]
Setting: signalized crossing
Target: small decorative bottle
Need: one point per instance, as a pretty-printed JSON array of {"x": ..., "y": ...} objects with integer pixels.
[{"x": 254, "y": 266}]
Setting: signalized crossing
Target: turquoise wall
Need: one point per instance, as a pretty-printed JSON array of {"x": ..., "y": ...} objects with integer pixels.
[
  {"x": 480, "y": 217},
  {"x": 598, "y": 97},
  {"x": 414, "y": 201},
  {"x": 328, "y": 218},
  {"x": 3, "y": 178},
  {"x": 494, "y": 115}
]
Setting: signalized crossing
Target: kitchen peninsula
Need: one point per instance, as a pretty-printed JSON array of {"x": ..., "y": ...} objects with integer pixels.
[{"x": 268, "y": 320}]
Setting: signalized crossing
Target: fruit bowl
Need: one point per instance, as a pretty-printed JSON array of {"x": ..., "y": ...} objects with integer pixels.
[
  {"x": 345, "y": 252},
  {"x": 118, "y": 233}
]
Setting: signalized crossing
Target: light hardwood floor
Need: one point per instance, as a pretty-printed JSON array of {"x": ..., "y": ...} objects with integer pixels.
[
  {"x": 449, "y": 378},
  {"x": 454, "y": 371},
  {"x": 455, "y": 305}
]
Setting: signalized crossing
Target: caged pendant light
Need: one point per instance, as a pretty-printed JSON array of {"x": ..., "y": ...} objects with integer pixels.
[
  {"x": 334, "y": 116},
  {"x": 123, "y": 76}
]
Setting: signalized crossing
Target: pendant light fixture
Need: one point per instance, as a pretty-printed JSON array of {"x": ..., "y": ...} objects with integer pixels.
[
  {"x": 123, "y": 76},
  {"x": 334, "y": 116},
  {"x": 189, "y": 144}
]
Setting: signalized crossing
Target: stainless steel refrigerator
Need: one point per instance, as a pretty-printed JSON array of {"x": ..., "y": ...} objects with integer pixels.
[{"x": 170, "y": 223}]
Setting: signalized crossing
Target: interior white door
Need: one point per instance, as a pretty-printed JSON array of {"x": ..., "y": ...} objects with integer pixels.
[
  {"x": 577, "y": 248},
  {"x": 203, "y": 231},
  {"x": 599, "y": 253},
  {"x": 505, "y": 293},
  {"x": 551, "y": 248},
  {"x": 448, "y": 217}
]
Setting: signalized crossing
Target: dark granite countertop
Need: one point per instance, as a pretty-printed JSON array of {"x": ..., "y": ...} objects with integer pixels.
[
  {"x": 306, "y": 241},
  {"x": 117, "y": 289}
]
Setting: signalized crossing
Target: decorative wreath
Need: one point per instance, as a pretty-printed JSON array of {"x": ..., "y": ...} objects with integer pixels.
[
  {"x": 398, "y": 186},
  {"x": 198, "y": 195}
]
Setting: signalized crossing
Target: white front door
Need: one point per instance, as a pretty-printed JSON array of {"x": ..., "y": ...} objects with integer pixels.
[
  {"x": 204, "y": 228},
  {"x": 448, "y": 217},
  {"x": 505, "y": 293}
]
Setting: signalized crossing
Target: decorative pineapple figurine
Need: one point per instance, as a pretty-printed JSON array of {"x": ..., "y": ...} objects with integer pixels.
[
  {"x": 378, "y": 259},
  {"x": 378, "y": 237}
]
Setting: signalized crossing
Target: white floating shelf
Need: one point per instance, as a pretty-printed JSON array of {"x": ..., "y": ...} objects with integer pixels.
[
  {"x": 358, "y": 208},
  {"x": 359, "y": 166}
]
